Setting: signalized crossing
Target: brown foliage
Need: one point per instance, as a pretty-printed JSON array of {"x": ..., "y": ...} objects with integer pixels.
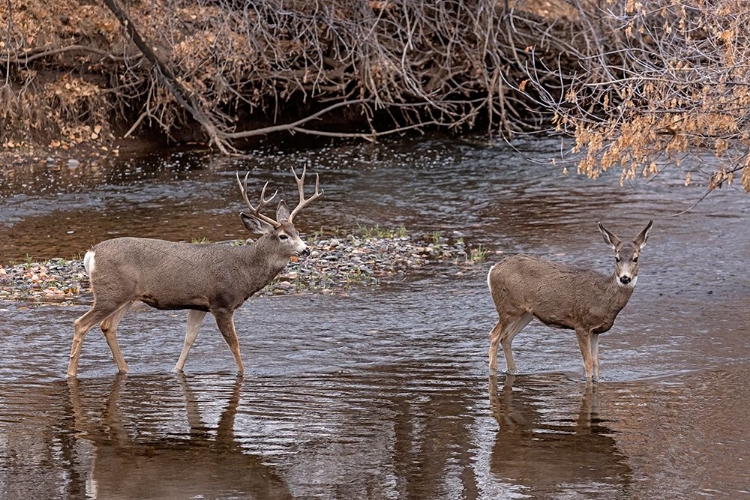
[
  {"x": 659, "y": 82},
  {"x": 43, "y": 94}
]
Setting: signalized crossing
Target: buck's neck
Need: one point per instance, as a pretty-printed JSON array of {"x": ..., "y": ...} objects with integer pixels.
[{"x": 261, "y": 262}]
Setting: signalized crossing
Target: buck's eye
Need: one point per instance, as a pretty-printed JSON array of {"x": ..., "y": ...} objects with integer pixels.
[
  {"x": 283, "y": 237},
  {"x": 635, "y": 259},
  {"x": 617, "y": 258}
]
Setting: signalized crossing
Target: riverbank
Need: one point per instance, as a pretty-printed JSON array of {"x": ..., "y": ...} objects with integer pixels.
[{"x": 335, "y": 265}]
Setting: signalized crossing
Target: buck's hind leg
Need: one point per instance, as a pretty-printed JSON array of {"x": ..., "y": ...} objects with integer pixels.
[
  {"x": 195, "y": 319},
  {"x": 109, "y": 329},
  {"x": 95, "y": 315}
]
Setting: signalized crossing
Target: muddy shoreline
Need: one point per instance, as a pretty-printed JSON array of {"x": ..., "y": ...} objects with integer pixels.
[{"x": 336, "y": 265}]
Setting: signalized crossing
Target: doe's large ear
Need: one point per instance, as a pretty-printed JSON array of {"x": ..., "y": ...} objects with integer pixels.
[
  {"x": 282, "y": 213},
  {"x": 255, "y": 225},
  {"x": 609, "y": 238},
  {"x": 640, "y": 240}
]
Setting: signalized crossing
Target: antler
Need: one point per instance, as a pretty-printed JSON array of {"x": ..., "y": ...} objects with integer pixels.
[
  {"x": 263, "y": 201},
  {"x": 301, "y": 185}
]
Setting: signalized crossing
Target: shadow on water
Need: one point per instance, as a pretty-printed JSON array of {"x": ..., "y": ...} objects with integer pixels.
[
  {"x": 396, "y": 432},
  {"x": 407, "y": 430},
  {"x": 131, "y": 459},
  {"x": 542, "y": 422}
]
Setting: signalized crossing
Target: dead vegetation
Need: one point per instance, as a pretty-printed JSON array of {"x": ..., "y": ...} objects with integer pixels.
[
  {"x": 335, "y": 68},
  {"x": 638, "y": 85}
]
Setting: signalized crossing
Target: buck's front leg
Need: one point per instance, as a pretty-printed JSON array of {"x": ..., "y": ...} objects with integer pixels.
[
  {"x": 584, "y": 343},
  {"x": 225, "y": 322},
  {"x": 195, "y": 319}
]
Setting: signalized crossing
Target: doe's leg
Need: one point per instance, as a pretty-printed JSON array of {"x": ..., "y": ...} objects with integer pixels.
[
  {"x": 506, "y": 339},
  {"x": 494, "y": 341},
  {"x": 504, "y": 333},
  {"x": 584, "y": 343},
  {"x": 225, "y": 322},
  {"x": 595, "y": 354},
  {"x": 109, "y": 328},
  {"x": 195, "y": 319}
]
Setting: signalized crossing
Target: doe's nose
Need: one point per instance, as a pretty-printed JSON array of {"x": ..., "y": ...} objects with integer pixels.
[
  {"x": 625, "y": 279},
  {"x": 306, "y": 252}
]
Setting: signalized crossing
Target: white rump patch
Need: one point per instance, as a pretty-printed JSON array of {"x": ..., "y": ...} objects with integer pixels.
[
  {"x": 88, "y": 262},
  {"x": 489, "y": 273}
]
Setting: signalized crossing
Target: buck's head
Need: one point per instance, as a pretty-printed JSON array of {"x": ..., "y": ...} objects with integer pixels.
[
  {"x": 281, "y": 232},
  {"x": 626, "y": 254}
]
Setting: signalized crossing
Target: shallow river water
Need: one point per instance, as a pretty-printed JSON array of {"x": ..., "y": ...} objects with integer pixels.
[{"x": 384, "y": 392}]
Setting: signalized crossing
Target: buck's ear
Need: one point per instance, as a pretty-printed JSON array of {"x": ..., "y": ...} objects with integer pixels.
[
  {"x": 255, "y": 225},
  {"x": 609, "y": 238},
  {"x": 640, "y": 240},
  {"x": 282, "y": 213}
]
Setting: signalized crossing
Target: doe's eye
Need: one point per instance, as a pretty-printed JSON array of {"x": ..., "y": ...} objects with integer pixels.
[
  {"x": 617, "y": 258},
  {"x": 635, "y": 259}
]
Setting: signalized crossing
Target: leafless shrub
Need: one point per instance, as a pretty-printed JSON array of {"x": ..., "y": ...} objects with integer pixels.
[{"x": 251, "y": 68}]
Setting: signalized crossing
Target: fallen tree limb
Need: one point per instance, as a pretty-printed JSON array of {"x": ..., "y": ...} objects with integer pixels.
[
  {"x": 178, "y": 91},
  {"x": 40, "y": 53}
]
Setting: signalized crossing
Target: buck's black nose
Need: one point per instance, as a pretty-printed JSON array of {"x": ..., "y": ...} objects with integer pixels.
[
  {"x": 306, "y": 252},
  {"x": 624, "y": 280}
]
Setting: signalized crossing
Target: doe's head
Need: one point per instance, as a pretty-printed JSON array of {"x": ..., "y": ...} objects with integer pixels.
[{"x": 626, "y": 254}]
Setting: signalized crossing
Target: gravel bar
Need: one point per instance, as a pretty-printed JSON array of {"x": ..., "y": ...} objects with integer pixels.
[{"x": 335, "y": 265}]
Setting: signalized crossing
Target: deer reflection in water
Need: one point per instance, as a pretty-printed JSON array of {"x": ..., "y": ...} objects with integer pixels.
[
  {"x": 199, "y": 466},
  {"x": 548, "y": 450}
]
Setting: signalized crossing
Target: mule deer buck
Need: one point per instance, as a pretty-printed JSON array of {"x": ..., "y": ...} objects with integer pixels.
[
  {"x": 524, "y": 287},
  {"x": 202, "y": 278}
]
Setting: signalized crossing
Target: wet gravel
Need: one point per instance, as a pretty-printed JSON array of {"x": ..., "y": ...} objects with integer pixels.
[{"x": 335, "y": 265}]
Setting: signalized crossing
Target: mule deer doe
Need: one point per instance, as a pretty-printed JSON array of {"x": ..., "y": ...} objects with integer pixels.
[
  {"x": 524, "y": 287},
  {"x": 203, "y": 278}
]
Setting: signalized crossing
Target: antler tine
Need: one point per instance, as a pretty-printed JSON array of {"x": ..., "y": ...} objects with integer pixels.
[
  {"x": 261, "y": 204},
  {"x": 301, "y": 186}
]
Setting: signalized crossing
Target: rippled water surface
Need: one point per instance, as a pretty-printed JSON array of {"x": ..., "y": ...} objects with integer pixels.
[{"x": 384, "y": 392}]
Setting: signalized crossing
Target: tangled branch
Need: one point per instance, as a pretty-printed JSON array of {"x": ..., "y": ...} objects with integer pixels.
[{"x": 358, "y": 68}]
